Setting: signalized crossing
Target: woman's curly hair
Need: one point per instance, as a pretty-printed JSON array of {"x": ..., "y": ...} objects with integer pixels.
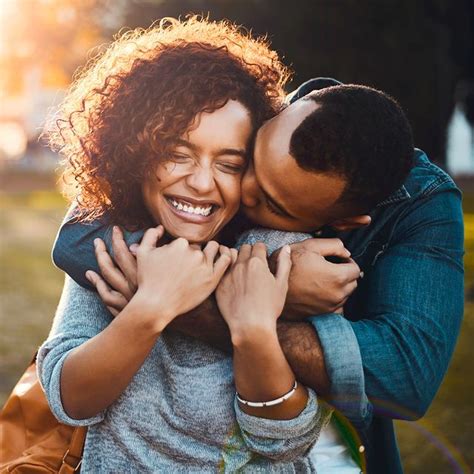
[{"x": 127, "y": 107}]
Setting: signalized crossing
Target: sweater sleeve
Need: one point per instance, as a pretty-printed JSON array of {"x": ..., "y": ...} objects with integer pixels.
[
  {"x": 284, "y": 440},
  {"x": 79, "y": 317},
  {"x": 273, "y": 239}
]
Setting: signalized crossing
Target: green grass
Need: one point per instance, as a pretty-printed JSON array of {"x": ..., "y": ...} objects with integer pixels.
[
  {"x": 30, "y": 288},
  {"x": 29, "y": 284}
]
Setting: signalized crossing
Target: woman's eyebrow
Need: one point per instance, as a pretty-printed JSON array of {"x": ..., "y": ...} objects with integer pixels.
[
  {"x": 182, "y": 142},
  {"x": 224, "y": 151}
]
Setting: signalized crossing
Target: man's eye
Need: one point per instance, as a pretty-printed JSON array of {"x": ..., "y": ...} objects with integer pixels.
[{"x": 273, "y": 210}]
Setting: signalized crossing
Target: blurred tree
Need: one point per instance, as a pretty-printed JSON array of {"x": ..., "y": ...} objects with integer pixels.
[
  {"x": 415, "y": 50},
  {"x": 51, "y": 36}
]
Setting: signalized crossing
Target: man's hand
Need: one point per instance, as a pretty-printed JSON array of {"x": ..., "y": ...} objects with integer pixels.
[
  {"x": 118, "y": 280},
  {"x": 317, "y": 286}
]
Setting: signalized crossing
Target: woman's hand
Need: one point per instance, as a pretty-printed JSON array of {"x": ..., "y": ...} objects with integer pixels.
[
  {"x": 251, "y": 299},
  {"x": 118, "y": 281},
  {"x": 174, "y": 278},
  {"x": 249, "y": 296}
]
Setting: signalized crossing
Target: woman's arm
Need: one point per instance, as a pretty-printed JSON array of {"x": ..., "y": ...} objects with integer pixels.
[
  {"x": 251, "y": 299},
  {"x": 97, "y": 371},
  {"x": 79, "y": 317},
  {"x": 262, "y": 373}
]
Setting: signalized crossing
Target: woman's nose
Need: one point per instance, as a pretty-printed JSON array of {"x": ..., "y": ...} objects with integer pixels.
[
  {"x": 201, "y": 180},
  {"x": 250, "y": 189}
]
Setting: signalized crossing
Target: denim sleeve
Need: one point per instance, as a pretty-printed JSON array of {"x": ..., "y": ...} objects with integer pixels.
[
  {"x": 415, "y": 305},
  {"x": 343, "y": 362},
  {"x": 284, "y": 440},
  {"x": 73, "y": 249}
]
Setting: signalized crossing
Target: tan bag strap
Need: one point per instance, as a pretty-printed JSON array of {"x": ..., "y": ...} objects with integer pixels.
[{"x": 73, "y": 458}]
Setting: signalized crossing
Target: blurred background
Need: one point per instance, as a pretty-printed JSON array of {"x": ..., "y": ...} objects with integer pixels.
[{"x": 419, "y": 51}]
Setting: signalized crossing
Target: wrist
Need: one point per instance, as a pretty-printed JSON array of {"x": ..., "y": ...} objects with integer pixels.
[
  {"x": 253, "y": 334},
  {"x": 150, "y": 312}
]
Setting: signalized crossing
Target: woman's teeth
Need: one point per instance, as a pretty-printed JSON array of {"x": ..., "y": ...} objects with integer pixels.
[{"x": 202, "y": 211}]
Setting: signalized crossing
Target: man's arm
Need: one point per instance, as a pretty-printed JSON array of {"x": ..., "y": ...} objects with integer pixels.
[
  {"x": 74, "y": 253},
  {"x": 397, "y": 351},
  {"x": 73, "y": 248},
  {"x": 299, "y": 342},
  {"x": 414, "y": 306}
]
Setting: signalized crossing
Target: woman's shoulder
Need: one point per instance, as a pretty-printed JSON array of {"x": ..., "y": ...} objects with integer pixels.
[
  {"x": 76, "y": 297},
  {"x": 78, "y": 309}
]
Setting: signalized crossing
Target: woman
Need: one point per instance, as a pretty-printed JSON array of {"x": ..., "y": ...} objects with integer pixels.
[{"x": 194, "y": 91}]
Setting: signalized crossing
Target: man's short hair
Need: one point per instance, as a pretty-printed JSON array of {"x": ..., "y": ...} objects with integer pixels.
[{"x": 360, "y": 134}]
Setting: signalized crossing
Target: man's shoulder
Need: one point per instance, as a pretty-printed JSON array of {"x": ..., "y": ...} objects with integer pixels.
[
  {"x": 427, "y": 178},
  {"x": 429, "y": 195}
]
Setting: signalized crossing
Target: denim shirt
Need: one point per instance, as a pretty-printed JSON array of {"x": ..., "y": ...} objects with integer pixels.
[
  {"x": 400, "y": 326},
  {"x": 387, "y": 355}
]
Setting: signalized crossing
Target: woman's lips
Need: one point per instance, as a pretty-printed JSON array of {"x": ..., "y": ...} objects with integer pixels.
[
  {"x": 192, "y": 201},
  {"x": 195, "y": 213}
]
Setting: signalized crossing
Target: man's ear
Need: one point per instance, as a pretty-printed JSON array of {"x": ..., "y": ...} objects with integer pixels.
[{"x": 351, "y": 223}]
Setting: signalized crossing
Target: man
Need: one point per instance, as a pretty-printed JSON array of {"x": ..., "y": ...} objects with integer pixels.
[{"x": 331, "y": 163}]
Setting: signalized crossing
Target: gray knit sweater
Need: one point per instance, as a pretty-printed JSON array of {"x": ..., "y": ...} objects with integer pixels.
[{"x": 179, "y": 412}]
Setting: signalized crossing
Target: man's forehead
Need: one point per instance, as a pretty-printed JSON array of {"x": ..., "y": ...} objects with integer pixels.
[{"x": 277, "y": 132}]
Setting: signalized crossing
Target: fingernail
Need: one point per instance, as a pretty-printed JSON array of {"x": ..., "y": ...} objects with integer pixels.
[
  {"x": 89, "y": 276},
  {"x": 287, "y": 248},
  {"x": 362, "y": 274},
  {"x": 96, "y": 242}
]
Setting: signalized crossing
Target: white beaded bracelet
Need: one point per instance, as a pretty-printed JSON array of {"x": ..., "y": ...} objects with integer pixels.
[{"x": 270, "y": 403}]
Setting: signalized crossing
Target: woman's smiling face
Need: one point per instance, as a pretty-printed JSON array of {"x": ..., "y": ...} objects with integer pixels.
[{"x": 196, "y": 191}]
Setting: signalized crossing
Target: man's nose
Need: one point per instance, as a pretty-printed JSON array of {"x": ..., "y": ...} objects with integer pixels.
[
  {"x": 201, "y": 180},
  {"x": 250, "y": 189}
]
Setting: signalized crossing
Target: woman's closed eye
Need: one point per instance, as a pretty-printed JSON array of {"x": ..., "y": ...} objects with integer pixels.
[
  {"x": 180, "y": 158},
  {"x": 233, "y": 168}
]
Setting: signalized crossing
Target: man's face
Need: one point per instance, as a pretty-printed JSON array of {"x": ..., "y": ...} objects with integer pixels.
[{"x": 276, "y": 192}]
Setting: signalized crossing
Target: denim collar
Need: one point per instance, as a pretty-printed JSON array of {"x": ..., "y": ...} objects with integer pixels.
[{"x": 400, "y": 194}]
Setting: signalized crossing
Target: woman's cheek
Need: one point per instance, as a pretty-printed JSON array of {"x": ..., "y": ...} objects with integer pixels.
[{"x": 236, "y": 193}]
